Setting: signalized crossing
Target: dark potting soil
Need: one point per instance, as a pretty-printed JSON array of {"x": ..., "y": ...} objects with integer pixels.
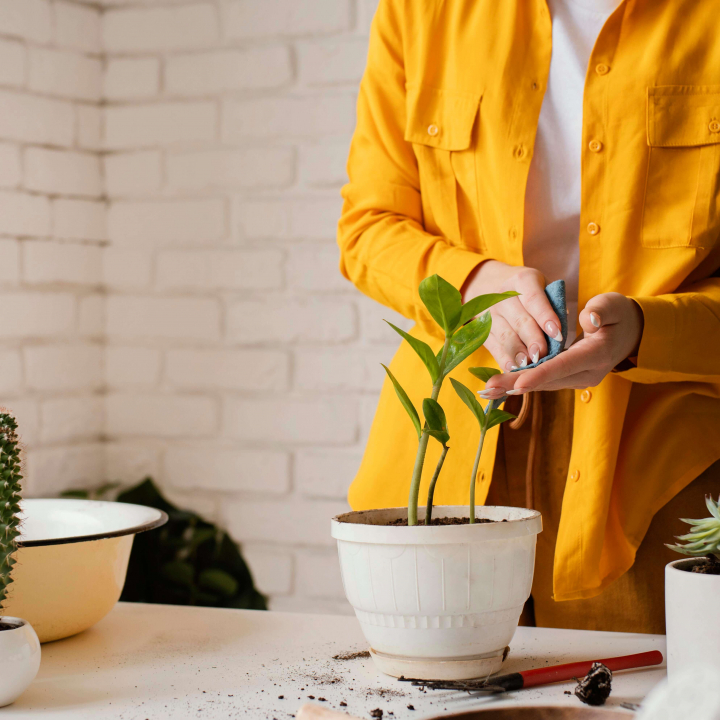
[
  {"x": 8, "y": 626},
  {"x": 709, "y": 566},
  {"x": 402, "y": 522},
  {"x": 352, "y": 655},
  {"x": 596, "y": 686}
]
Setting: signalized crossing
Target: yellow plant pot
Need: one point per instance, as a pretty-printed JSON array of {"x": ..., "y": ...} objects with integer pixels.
[{"x": 72, "y": 561}]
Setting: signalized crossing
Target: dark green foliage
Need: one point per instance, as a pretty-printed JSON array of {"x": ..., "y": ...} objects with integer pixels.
[
  {"x": 188, "y": 561},
  {"x": 9, "y": 498}
]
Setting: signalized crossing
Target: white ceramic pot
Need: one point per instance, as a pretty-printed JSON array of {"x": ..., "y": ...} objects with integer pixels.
[
  {"x": 443, "y": 601},
  {"x": 691, "y": 606},
  {"x": 19, "y": 659}
]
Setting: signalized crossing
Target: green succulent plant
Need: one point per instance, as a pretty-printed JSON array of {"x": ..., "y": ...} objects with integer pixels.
[
  {"x": 10, "y": 478},
  {"x": 466, "y": 327},
  {"x": 704, "y": 538}
]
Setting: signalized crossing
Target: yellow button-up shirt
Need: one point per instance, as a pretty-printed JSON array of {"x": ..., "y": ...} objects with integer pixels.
[{"x": 447, "y": 117}]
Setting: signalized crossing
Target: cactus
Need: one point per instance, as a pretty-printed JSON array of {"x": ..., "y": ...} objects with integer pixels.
[{"x": 9, "y": 498}]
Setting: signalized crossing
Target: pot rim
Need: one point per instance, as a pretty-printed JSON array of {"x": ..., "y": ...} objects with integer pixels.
[
  {"x": 11, "y": 620},
  {"x": 688, "y": 562},
  {"x": 366, "y": 532},
  {"x": 160, "y": 519}
]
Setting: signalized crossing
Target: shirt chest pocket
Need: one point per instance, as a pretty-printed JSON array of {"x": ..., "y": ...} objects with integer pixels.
[
  {"x": 441, "y": 126},
  {"x": 682, "y": 190}
]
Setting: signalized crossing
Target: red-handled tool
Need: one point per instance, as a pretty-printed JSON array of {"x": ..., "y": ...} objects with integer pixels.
[{"x": 544, "y": 676}]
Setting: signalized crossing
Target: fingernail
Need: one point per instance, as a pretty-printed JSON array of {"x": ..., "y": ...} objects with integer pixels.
[
  {"x": 521, "y": 360},
  {"x": 553, "y": 331},
  {"x": 534, "y": 353},
  {"x": 594, "y": 319},
  {"x": 490, "y": 394},
  {"x": 515, "y": 392},
  {"x": 509, "y": 366},
  {"x": 514, "y": 367}
]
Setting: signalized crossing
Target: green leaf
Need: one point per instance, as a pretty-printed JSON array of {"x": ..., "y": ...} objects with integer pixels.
[
  {"x": 218, "y": 581},
  {"x": 468, "y": 397},
  {"x": 423, "y": 350},
  {"x": 481, "y": 303},
  {"x": 406, "y": 402},
  {"x": 442, "y": 301},
  {"x": 466, "y": 341},
  {"x": 495, "y": 417},
  {"x": 484, "y": 373},
  {"x": 436, "y": 421},
  {"x": 434, "y": 414},
  {"x": 440, "y": 435}
]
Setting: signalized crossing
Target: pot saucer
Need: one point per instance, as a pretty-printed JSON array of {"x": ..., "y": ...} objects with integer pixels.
[{"x": 467, "y": 668}]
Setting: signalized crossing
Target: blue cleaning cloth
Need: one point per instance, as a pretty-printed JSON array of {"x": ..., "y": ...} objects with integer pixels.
[{"x": 555, "y": 292}]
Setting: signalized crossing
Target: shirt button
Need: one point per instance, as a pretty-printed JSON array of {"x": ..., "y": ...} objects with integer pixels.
[
  {"x": 433, "y": 130},
  {"x": 595, "y": 146},
  {"x": 535, "y": 85},
  {"x": 714, "y": 126},
  {"x": 586, "y": 396},
  {"x": 602, "y": 69},
  {"x": 575, "y": 476},
  {"x": 519, "y": 152},
  {"x": 593, "y": 228}
]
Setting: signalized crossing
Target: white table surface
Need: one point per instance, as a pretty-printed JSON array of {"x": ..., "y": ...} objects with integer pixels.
[{"x": 158, "y": 661}]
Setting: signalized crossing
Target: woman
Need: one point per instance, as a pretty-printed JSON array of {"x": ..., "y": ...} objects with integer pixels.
[{"x": 503, "y": 145}]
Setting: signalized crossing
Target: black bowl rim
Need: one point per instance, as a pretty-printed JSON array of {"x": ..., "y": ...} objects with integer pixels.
[{"x": 134, "y": 530}]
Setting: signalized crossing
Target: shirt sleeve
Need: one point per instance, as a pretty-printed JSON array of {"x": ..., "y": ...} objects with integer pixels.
[
  {"x": 384, "y": 249},
  {"x": 681, "y": 337}
]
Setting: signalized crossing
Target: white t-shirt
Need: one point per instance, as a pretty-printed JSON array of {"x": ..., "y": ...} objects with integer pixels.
[{"x": 552, "y": 197}]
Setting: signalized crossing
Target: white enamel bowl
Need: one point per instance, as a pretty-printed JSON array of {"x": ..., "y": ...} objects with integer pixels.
[{"x": 72, "y": 561}]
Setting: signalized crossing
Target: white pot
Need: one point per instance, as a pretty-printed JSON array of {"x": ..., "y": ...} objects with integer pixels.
[
  {"x": 19, "y": 659},
  {"x": 691, "y": 606},
  {"x": 438, "y": 602}
]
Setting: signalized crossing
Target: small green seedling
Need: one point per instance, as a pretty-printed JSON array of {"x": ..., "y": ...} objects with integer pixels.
[
  {"x": 10, "y": 478},
  {"x": 704, "y": 538},
  {"x": 486, "y": 419},
  {"x": 466, "y": 327}
]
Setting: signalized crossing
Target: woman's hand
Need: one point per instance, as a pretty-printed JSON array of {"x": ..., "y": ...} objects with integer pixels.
[
  {"x": 612, "y": 329},
  {"x": 516, "y": 339}
]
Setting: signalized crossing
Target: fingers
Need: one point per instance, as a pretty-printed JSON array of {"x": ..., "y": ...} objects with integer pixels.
[
  {"x": 505, "y": 345},
  {"x": 531, "y": 286},
  {"x": 580, "y": 358},
  {"x": 601, "y": 311},
  {"x": 526, "y": 328}
]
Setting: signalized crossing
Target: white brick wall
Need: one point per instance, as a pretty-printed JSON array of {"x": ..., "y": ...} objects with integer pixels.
[{"x": 169, "y": 193}]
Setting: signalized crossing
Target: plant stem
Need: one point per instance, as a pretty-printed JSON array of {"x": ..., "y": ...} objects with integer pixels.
[
  {"x": 431, "y": 489},
  {"x": 473, "y": 479},
  {"x": 422, "y": 445}
]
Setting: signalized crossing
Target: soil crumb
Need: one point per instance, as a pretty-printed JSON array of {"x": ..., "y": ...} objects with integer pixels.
[
  {"x": 352, "y": 655},
  {"x": 402, "y": 522},
  {"x": 710, "y": 566},
  {"x": 376, "y": 713},
  {"x": 596, "y": 687}
]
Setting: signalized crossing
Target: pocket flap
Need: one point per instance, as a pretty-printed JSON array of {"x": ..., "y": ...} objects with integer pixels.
[
  {"x": 683, "y": 115},
  {"x": 441, "y": 119}
]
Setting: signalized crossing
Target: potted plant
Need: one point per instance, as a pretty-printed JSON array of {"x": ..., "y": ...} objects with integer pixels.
[
  {"x": 439, "y": 591},
  {"x": 692, "y": 592},
  {"x": 19, "y": 645}
]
